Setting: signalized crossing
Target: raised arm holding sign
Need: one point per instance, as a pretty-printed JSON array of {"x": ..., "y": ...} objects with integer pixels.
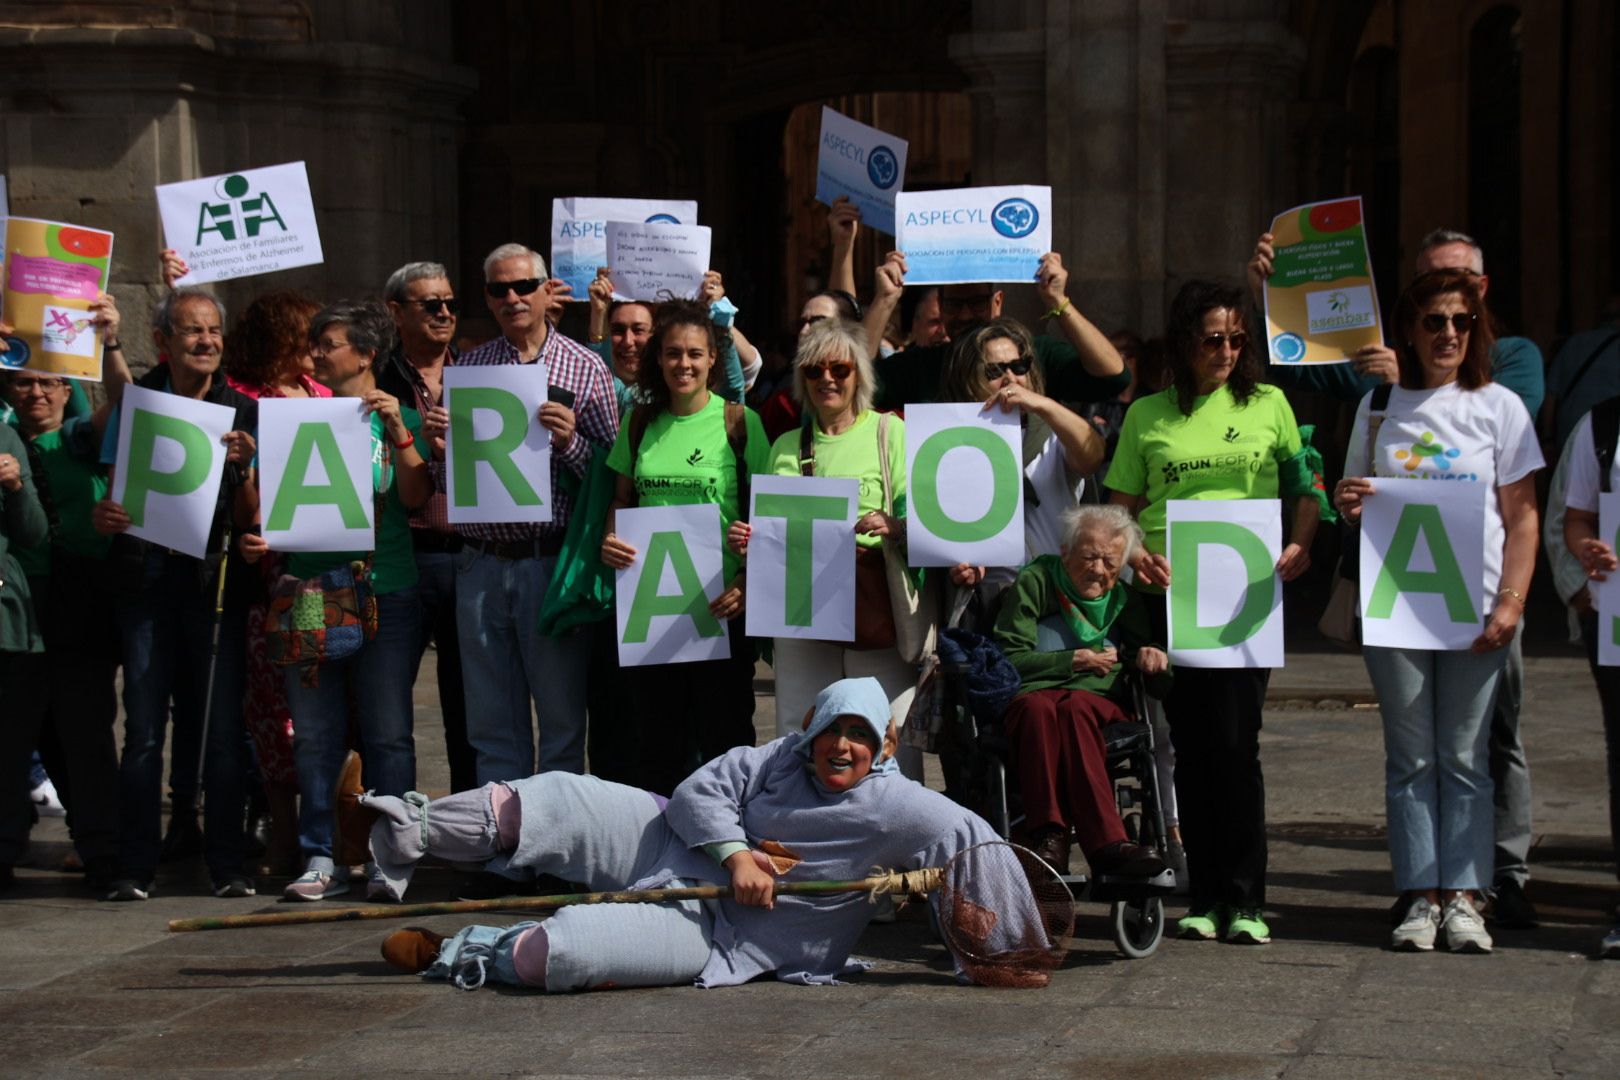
[
  {"x": 657, "y": 260},
  {"x": 579, "y": 232},
  {"x": 973, "y": 234},
  {"x": 864, "y": 164},
  {"x": 239, "y": 224}
]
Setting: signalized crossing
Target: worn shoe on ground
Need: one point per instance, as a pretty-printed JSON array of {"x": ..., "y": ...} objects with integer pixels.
[
  {"x": 313, "y": 885},
  {"x": 412, "y": 949},
  {"x": 1464, "y": 929},
  {"x": 1201, "y": 925},
  {"x": 1417, "y": 931},
  {"x": 1248, "y": 928},
  {"x": 352, "y": 834},
  {"x": 1511, "y": 909},
  {"x": 1609, "y": 948},
  {"x": 127, "y": 889},
  {"x": 235, "y": 887},
  {"x": 1126, "y": 859},
  {"x": 1052, "y": 845}
]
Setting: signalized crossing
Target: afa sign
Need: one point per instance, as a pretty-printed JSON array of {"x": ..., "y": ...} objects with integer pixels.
[{"x": 241, "y": 223}]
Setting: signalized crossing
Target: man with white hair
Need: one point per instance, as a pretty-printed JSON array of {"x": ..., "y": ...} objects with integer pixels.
[{"x": 504, "y": 569}]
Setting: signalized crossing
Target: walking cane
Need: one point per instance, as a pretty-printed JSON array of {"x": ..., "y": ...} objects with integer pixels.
[{"x": 213, "y": 661}]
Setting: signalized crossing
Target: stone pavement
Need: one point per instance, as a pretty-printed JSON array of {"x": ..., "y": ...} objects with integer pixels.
[{"x": 94, "y": 989}]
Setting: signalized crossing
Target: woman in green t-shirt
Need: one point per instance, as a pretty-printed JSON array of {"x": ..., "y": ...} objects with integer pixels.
[
  {"x": 683, "y": 446},
  {"x": 346, "y": 340},
  {"x": 1215, "y": 433}
]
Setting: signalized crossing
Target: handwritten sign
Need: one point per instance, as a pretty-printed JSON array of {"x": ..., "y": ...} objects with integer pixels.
[
  {"x": 243, "y": 223},
  {"x": 657, "y": 261},
  {"x": 1321, "y": 305},
  {"x": 973, "y": 234},
  {"x": 579, "y": 231},
  {"x": 863, "y": 163}
]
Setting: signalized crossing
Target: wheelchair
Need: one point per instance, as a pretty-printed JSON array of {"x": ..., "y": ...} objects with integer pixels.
[{"x": 974, "y": 755}]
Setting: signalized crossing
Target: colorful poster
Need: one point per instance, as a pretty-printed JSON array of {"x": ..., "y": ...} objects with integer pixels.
[
  {"x": 315, "y": 475},
  {"x": 1225, "y": 597},
  {"x": 579, "y": 232},
  {"x": 242, "y": 223},
  {"x": 973, "y": 234},
  {"x": 657, "y": 261},
  {"x": 169, "y": 464},
  {"x": 801, "y": 558},
  {"x": 1321, "y": 305},
  {"x": 965, "y": 486},
  {"x": 663, "y": 597},
  {"x": 497, "y": 456},
  {"x": 1422, "y": 564},
  {"x": 54, "y": 272},
  {"x": 1607, "y": 593},
  {"x": 863, "y": 163}
]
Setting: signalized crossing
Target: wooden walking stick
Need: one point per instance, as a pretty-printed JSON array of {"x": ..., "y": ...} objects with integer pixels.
[{"x": 905, "y": 882}]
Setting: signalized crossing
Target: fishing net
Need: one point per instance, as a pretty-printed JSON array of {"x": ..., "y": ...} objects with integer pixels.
[{"x": 1005, "y": 915}]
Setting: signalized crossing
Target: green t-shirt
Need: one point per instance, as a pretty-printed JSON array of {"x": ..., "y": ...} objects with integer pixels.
[
  {"x": 394, "y": 566},
  {"x": 1222, "y": 451},
  {"x": 75, "y": 482},
  {"x": 687, "y": 460},
  {"x": 852, "y": 455}
]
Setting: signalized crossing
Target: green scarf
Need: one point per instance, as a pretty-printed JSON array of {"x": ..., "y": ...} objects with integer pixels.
[{"x": 1089, "y": 619}]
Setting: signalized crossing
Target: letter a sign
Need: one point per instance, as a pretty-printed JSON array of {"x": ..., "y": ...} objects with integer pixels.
[{"x": 1423, "y": 564}]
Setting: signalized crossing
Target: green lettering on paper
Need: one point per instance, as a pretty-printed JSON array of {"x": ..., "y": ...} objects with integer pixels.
[
  {"x": 496, "y": 451},
  {"x": 802, "y": 512},
  {"x": 1006, "y": 485},
  {"x": 314, "y": 437},
  {"x": 1396, "y": 575},
  {"x": 1259, "y": 570},
  {"x": 141, "y": 479},
  {"x": 649, "y": 602}
]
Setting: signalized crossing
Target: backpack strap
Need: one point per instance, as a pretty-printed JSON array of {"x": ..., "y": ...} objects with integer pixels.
[
  {"x": 737, "y": 436},
  {"x": 1376, "y": 409},
  {"x": 1605, "y": 433},
  {"x": 807, "y": 446},
  {"x": 640, "y": 417}
]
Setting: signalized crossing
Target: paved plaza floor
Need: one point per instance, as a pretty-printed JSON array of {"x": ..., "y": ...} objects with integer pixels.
[{"x": 98, "y": 989}]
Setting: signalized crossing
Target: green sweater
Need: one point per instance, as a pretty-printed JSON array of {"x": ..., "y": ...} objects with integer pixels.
[{"x": 1030, "y": 622}]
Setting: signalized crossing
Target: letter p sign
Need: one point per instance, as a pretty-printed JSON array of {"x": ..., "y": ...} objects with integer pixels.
[{"x": 168, "y": 468}]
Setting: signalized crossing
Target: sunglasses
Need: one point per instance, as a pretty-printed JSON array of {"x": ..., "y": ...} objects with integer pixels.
[
  {"x": 434, "y": 305},
  {"x": 839, "y": 372},
  {"x": 992, "y": 372},
  {"x": 1461, "y": 322},
  {"x": 809, "y": 320},
  {"x": 1239, "y": 341},
  {"x": 498, "y": 289}
]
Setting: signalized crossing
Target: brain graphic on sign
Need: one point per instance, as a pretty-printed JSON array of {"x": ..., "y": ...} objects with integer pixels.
[
  {"x": 1014, "y": 218},
  {"x": 882, "y": 168}
]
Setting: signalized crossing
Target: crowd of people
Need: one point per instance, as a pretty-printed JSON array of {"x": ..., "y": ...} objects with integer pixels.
[{"x": 670, "y": 404}]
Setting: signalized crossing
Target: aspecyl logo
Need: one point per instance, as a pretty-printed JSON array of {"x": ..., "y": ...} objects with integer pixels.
[
  {"x": 1015, "y": 218},
  {"x": 882, "y": 168},
  {"x": 238, "y": 217},
  {"x": 1288, "y": 348},
  {"x": 664, "y": 219}
]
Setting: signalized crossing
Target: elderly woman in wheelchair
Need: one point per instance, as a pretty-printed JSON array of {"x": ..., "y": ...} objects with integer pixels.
[{"x": 1074, "y": 632}]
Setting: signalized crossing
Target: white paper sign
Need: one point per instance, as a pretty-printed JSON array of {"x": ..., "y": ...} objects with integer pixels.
[
  {"x": 1607, "y": 593},
  {"x": 801, "y": 558},
  {"x": 170, "y": 461},
  {"x": 663, "y": 597},
  {"x": 242, "y": 223},
  {"x": 973, "y": 234},
  {"x": 1423, "y": 564},
  {"x": 497, "y": 456},
  {"x": 1225, "y": 597},
  {"x": 964, "y": 486},
  {"x": 315, "y": 474},
  {"x": 579, "y": 231},
  {"x": 654, "y": 261},
  {"x": 863, "y": 163}
]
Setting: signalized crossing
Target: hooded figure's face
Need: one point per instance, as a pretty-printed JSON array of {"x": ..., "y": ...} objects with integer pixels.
[{"x": 842, "y": 755}]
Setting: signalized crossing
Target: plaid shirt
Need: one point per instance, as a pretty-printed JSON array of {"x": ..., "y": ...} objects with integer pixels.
[{"x": 596, "y": 420}]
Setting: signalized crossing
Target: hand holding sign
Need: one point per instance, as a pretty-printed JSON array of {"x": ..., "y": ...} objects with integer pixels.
[
  {"x": 171, "y": 457},
  {"x": 238, "y": 224},
  {"x": 655, "y": 261},
  {"x": 974, "y": 234},
  {"x": 1225, "y": 604},
  {"x": 861, "y": 164},
  {"x": 1422, "y": 561}
]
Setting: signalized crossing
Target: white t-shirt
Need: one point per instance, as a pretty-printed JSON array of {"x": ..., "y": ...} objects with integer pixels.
[
  {"x": 1048, "y": 474},
  {"x": 1470, "y": 436},
  {"x": 1581, "y": 484}
]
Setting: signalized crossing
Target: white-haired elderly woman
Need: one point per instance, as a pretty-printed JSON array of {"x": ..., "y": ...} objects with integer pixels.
[
  {"x": 1072, "y": 629},
  {"x": 842, "y": 437}
]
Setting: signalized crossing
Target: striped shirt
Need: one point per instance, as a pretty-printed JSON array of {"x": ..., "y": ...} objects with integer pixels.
[{"x": 596, "y": 421}]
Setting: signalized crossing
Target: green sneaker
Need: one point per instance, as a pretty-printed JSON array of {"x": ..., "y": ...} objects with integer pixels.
[
  {"x": 1201, "y": 925},
  {"x": 1248, "y": 928}
]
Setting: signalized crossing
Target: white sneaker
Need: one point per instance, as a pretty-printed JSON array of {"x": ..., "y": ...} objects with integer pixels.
[
  {"x": 46, "y": 800},
  {"x": 313, "y": 885},
  {"x": 1416, "y": 931},
  {"x": 1465, "y": 930},
  {"x": 1610, "y": 949}
]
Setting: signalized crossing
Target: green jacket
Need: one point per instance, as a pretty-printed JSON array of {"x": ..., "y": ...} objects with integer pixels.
[
  {"x": 22, "y": 523},
  {"x": 1032, "y": 632}
]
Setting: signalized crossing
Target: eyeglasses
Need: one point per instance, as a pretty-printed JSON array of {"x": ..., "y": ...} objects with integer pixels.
[
  {"x": 809, "y": 320},
  {"x": 498, "y": 289},
  {"x": 839, "y": 372},
  {"x": 1214, "y": 342},
  {"x": 25, "y": 385},
  {"x": 958, "y": 305},
  {"x": 1462, "y": 322},
  {"x": 433, "y": 305},
  {"x": 992, "y": 372},
  {"x": 327, "y": 348}
]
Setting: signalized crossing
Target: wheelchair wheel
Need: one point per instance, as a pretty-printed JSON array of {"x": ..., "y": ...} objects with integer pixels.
[{"x": 1138, "y": 928}]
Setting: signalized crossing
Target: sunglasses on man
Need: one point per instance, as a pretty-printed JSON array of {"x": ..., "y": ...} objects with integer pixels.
[
  {"x": 498, "y": 289},
  {"x": 434, "y": 305}
]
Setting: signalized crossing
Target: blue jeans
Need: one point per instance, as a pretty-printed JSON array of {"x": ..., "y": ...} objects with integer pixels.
[
  {"x": 1437, "y": 780},
  {"x": 436, "y": 588},
  {"x": 379, "y": 677},
  {"x": 166, "y": 632},
  {"x": 508, "y": 662}
]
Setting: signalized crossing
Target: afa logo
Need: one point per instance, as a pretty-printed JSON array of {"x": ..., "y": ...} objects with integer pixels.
[
  {"x": 1015, "y": 218},
  {"x": 664, "y": 219},
  {"x": 1289, "y": 348},
  {"x": 1426, "y": 449},
  {"x": 239, "y": 216},
  {"x": 882, "y": 168}
]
